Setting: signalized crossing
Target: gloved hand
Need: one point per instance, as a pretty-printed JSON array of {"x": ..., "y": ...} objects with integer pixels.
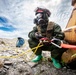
[
  {"x": 38, "y": 35},
  {"x": 45, "y": 41},
  {"x": 60, "y": 36}
]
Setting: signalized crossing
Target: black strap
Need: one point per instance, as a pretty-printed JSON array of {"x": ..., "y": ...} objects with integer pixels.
[{"x": 74, "y": 9}]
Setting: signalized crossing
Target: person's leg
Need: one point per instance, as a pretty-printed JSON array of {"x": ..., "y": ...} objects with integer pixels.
[
  {"x": 32, "y": 44},
  {"x": 56, "y": 63},
  {"x": 56, "y": 54},
  {"x": 55, "y": 57}
]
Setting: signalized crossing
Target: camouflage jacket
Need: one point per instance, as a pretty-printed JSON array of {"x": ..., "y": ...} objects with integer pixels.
[{"x": 52, "y": 30}]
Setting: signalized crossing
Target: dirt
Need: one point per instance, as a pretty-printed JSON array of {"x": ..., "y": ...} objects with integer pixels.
[{"x": 17, "y": 61}]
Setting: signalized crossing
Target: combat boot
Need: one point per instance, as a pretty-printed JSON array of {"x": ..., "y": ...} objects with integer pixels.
[
  {"x": 56, "y": 63},
  {"x": 37, "y": 58}
]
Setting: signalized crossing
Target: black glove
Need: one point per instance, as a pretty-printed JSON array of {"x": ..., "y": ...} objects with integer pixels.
[
  {"x": 38, "y": 35},
  {"x": 60, "y": 36}
]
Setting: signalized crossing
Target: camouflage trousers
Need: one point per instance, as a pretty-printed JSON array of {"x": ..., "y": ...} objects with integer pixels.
[{"x": 55, "y": 51}]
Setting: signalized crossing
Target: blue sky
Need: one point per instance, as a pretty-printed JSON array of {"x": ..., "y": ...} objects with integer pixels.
[
  {"x": 5, "y": 25},
  {"x": 16, "y": 16}
]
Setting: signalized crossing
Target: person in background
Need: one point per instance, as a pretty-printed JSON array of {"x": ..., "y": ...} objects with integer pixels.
[
  {"x": 70, "y": 35},
  {"x": 47, "y": 29},
  {"x": 20, "y": 42}
]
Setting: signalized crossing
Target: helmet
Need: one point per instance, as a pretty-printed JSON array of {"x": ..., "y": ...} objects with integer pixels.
[
  {"x": 73, "y": 2},
  {"x": 42, "y": 10},
  {"x": 42, "y": 15},
  {"x": 19, "y": 37}
]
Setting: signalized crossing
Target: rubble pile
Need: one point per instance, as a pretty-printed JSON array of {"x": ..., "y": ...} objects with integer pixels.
[{"x": 17, "y": 61}]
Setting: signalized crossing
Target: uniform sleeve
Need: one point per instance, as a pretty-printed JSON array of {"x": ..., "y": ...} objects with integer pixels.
[
  {"x": 72, "y": 20},
  {"x": 57, "y": 32},
  {"x": 32, "y": 33}
]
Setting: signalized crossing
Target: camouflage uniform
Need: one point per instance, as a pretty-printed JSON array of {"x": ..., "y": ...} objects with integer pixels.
[{"x": 52, "y": 30}]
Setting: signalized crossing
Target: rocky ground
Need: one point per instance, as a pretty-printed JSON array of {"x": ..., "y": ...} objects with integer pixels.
[{"x": 17, "y": 61}]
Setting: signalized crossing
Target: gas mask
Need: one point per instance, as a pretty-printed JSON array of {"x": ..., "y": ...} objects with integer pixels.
[
  {"x": 41, "y": 20},
  {"x": 41, "y": 17}
]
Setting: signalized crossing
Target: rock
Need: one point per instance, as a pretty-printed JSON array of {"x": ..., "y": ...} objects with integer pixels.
[
  {"x": 7, "y": 63},
  {"x": 17, "y": 61},
  {"x": 32, "y": 64},
  {"x": 1, "y": 64},
  {"x": 20, "y": 68}
]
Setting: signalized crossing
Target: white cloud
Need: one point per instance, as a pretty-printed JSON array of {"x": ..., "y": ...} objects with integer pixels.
[{"x": 21, "y": 14}]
